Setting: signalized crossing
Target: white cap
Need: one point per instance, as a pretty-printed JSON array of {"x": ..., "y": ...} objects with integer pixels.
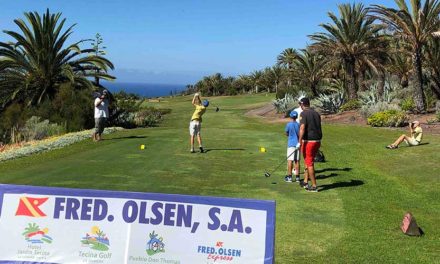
[{"x": 301, "y": 97}]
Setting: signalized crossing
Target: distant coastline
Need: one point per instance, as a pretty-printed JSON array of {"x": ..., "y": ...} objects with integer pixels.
[{"x": 145, "y": 89}]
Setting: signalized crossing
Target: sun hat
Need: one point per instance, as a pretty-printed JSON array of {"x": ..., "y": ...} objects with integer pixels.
[
  {"x": 205, "y": 103},
  {"x": 293, "y": 114}
]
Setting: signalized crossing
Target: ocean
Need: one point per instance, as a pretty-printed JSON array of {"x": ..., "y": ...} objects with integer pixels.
[{"x": 145, "y": 89}]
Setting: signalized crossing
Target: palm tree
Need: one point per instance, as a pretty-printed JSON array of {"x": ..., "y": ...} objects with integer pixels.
[
  {"x": 33, "y": 67},
  {"x": 310, "y": 69},
  {"x": 217, "y": 81},
  {"x": 277, "y": 74},
  {"x": 414, "y": 26},
  {"x": 256, "y": 79},
  {"x": 348, "y": 40},
  {"x": 286, "y": 59},
  {"x": 242, "y": 83},
  {"x": 433, "y": 65},
  {"x": 399, "y": 63}
]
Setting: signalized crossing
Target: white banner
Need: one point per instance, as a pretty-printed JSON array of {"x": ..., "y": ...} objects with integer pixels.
[{"x": 57, "y": 225}]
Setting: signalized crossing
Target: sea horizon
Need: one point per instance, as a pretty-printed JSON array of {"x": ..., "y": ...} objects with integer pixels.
[{"x": 145, "y": 89}]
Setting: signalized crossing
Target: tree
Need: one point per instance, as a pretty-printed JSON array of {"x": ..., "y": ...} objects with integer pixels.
[
  {"x": 433, "y": 65},
  {"x": 256, "y": 79},
  {"x": 33, "y": 67},
  {"x": 242, "y": 84},
  {"x": 310, "y": 69},
  {"x": 399, "y": 63},
  {"x": 286, "y": 59},
  {"x": 415, "y": 26},
  {"x": 348, "y": 40},
  {"x": 217, "y": 83},
  {"x": 277, "y": 74},
  {"x": 97, "y": 45}
]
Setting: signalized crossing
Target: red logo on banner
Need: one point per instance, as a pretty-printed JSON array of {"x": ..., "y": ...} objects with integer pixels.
[{"x": 28, "y": 206}]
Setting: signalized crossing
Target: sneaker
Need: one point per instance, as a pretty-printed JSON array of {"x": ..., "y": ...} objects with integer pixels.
[
  {"x": 192, "y": 151},
  {"x": 202, "y": 150},
  {"x": 303, "y": 184},
  {"x": 288, "y": 178},
  {"x": 312, "y": 189},
  {"x": 297, "y": 179}
]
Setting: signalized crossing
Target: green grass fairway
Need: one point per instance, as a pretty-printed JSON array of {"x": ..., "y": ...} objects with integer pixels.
[{"x": 366, "y": 189}]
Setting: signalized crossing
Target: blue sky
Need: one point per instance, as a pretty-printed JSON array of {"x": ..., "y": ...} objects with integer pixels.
[{"x": 179, "y": 41}]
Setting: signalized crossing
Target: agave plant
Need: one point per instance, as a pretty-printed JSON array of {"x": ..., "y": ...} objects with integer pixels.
[
  {"x": 39, "y": 60},
  {"x": 372, "y": 97},
  {"x": 373, "y": 103},
  {"x": 284, "y": 105},
  {"x": 330, "y": 104}
]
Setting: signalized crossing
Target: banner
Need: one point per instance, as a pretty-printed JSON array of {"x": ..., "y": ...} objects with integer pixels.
[{"x": 59, "y": 225}]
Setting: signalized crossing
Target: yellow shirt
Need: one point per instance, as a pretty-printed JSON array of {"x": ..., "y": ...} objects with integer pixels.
[
  {"x": 200, "y": 110},
  {"x": 417, "y": 134}
]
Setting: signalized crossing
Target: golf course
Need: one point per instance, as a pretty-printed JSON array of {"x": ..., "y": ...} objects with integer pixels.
[{"x": 364, "y": 189}]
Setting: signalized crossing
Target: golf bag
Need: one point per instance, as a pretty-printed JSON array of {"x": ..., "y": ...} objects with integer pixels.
[{"x": 319, "y": 156}]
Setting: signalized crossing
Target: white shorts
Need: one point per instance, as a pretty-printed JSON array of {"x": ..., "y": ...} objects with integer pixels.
[
  {"x": 194, "y": 128},
  {"x": 291, "y": 155},
  {"x": 412, "y": 142}
]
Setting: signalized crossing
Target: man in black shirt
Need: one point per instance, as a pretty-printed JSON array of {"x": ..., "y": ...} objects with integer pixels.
[{"x": 310, "y": 135}]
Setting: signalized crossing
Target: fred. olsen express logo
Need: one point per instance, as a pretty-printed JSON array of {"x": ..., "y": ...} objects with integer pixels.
[
  {"x": 29, "y": 206},
  {"x": 219, "y": 252}
]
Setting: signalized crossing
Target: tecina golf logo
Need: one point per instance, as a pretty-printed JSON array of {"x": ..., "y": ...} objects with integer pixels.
[{"x": 96, "y": 240}]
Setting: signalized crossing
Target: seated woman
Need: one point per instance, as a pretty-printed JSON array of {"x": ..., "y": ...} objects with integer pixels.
[{"x": 413, "y": 140}]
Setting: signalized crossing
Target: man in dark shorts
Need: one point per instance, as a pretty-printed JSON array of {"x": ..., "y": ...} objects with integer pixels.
[{"x": 310, "y": 135}]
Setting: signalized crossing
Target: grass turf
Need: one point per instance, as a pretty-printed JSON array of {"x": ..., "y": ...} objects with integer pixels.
[{"x": 355, "y": 218}]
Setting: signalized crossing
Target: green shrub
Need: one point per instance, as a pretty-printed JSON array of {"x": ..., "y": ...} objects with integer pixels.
[
  {"x": 149, "y": 117},
  {"x": 369, "y": 110},
  {"x": 35, "y": 129},
  {"x": 128, "y": 112},
  {"x": 430, "y": 98},
  {"x": 390, "y": 118},
  {"x": 71, "y": 107},
  {"x": 350, "y": 105},
  {"x": 12, "y": 120},
  {"x": 408, "y": 104}
]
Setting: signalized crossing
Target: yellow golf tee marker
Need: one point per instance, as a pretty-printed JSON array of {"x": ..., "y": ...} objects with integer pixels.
[
  {"x": 142, "y": 147},
  {"x": 262, "y": 150}
]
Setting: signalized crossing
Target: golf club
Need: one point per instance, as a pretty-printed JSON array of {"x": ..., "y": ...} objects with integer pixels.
[{"x": 267, "y": 174}]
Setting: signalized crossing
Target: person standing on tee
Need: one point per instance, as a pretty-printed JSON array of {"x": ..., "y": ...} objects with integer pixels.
[
  {"x": 195, "y": 125},
  {"x": 292, "y": 132},
  {"x": 310, "y": 135},
  {"x": 101, "y": 115},
  {"x": 299, "y": 111}
]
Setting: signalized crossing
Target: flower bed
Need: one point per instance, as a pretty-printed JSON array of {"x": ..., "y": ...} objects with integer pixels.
[{"x": 29, "y": 148}]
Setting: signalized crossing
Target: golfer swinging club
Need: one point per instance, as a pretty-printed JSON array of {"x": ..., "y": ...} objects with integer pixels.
[{"x": 196, "y": 121}]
